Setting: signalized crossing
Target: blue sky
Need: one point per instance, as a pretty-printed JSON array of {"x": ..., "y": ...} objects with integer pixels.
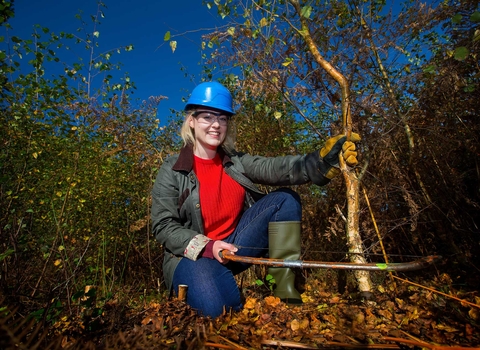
[{"x": 143, "y": 23}]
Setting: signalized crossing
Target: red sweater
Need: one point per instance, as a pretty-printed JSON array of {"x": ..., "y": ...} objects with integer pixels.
[{"x": 221, "y": 198}]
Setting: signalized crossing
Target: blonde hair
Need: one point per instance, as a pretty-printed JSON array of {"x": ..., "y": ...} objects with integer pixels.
[{"x": 188, "y": 135}]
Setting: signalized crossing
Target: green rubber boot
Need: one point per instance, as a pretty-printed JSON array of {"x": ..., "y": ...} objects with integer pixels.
[{"x": 284, "y": 243}]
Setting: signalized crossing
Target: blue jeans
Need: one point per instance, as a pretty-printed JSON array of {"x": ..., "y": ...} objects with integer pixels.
[{"x": 211, "y": 285}]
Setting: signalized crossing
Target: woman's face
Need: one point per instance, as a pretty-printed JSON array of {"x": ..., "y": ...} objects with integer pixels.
[{"x": 210, "y": 129}]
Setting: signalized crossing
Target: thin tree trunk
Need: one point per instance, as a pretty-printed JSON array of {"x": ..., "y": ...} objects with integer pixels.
[
  {"x": 353, "y": 236},
  {"x": 352, "y": 181}
]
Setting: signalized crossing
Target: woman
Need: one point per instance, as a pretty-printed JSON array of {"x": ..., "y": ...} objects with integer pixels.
[{"x": 204, "y": 201}]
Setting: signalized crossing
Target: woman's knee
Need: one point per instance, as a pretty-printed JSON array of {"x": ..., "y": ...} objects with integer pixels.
[{"x": 291, "y": 199}]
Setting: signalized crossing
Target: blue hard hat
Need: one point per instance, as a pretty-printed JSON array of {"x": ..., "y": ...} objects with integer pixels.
[{"x": 211, "y": 94}]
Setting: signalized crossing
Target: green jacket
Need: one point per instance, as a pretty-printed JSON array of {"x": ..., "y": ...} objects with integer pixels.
[{"x": 176, "y": 216}]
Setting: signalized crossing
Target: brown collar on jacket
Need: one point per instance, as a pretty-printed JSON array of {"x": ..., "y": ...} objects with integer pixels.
[{"x": 185, "y": 158}]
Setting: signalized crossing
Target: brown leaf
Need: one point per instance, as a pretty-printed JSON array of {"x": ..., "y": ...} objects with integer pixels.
[
  {"x": 415, "y": 297},
  {"x": 446, "y": 328},
  {"x": 272, "y": 301},
  {"x": 316, "y": 323},
  {"x": 334, "y": 300},
  {"x": 371, "y": 319},
  {"x": 390, "y": 305},
  {"x": 147, "y": 320},
  {"x": 330, "y": 318},
  {"x": 304, "y": 323},
  {"x": 250, "y": 303},
  {"x": 386, "y": 314},
  {"x": 359, "y": 318},
  {"x": 468, "y": 331},
  {"x": 445, "y": 278},
  {"x": 474, "y": 314},
  {"x": 324, "y": 294}
]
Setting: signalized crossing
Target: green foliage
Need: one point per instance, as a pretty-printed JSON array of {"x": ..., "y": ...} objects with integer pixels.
[
  {"x": 91, "y": 306},
  {"x": 269, "y": 282},
  {"x": 460, "y": 22},
  {"x": 77, "y": 163},
  {"x": 413, "y": 75},
  {"x": 49, "y": 314},
  {"x": 306, "y": 11},
  {"x": 461, "y": 53},
  {"x": 6, "y": 11}
]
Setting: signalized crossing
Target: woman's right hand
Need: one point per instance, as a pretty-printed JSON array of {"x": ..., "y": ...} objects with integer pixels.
[{"x": 218, "y": 246}]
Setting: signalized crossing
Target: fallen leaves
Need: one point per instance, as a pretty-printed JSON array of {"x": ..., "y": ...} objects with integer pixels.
[
  {"x": 272, "y": 301},
  {"x": 411, "y": 315},
  {"x": 474, "y": 314}
]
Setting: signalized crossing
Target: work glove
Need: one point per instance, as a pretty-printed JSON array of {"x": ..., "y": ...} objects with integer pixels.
[{"x": 332, "y": 148}]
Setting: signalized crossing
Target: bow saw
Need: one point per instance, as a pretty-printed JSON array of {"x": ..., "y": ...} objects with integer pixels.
[{"x": 418, "y": 264}]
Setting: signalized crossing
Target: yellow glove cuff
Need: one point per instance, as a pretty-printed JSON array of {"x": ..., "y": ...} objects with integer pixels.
[{"x": 332, "y": 172}]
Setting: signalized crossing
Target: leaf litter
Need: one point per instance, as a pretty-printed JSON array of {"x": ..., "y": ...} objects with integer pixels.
[{"x": 406, "y": 317}]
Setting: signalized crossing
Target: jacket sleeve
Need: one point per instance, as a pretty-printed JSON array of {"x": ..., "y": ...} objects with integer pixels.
[
  {"x": 285, "y": 170},
  {"x": 316, "y": 168},
  {"x": 167, "y": 225}
]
